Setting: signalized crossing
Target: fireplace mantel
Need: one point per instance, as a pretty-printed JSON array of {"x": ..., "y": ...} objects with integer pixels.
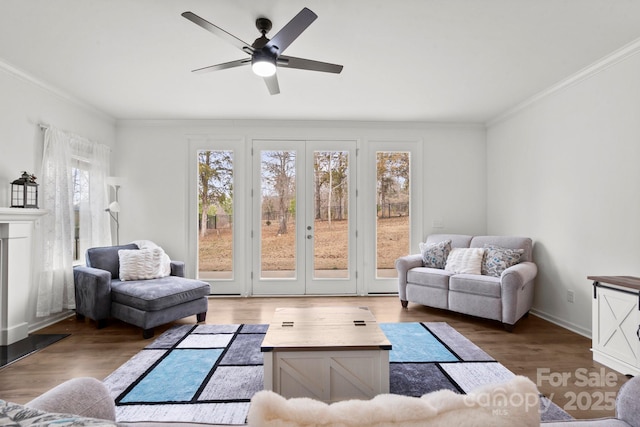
[
  {"x": 16, "y": 242},
  {"x": 19, "y": 214}
]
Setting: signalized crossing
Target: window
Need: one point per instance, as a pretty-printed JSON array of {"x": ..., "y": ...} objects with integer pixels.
[
  {"x": 80, "y": 197},
  {"x": 74, "y": 171}
]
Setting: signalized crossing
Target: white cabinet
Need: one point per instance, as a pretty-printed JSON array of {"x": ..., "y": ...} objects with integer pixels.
[
  {"x": 330, "y": 376},
  {"x": 616, "y": 323}
]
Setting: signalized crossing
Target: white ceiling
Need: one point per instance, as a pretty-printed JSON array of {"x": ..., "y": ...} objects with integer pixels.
[{"x": 410, "y": 60}]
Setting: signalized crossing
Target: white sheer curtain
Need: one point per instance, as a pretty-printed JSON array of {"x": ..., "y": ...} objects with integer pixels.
[{"x": 62, "y": 152}]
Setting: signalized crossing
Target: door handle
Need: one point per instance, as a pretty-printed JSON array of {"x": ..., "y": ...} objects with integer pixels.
[
  {"x": 309, "y": 236},
  {"x": 638, "y": 333}
]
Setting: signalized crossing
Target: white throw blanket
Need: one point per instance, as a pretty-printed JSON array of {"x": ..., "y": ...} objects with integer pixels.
[
  {"x": 165, "y": 264},
  {"x": 511, "y": 404}
]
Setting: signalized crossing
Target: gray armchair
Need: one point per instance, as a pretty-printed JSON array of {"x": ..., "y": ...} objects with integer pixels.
[{"x": 100, "y": 294}]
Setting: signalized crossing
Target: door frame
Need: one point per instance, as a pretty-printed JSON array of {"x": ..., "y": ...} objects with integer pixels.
[
  {"x": 368, "y": 217},
  {"x": 244, "y": 265},
  {"x": 335, "y": 286},
  {"x": 274, "y": 286},
  {"x": 304, "y": 282},
  {"x": 237, "y": 285}
]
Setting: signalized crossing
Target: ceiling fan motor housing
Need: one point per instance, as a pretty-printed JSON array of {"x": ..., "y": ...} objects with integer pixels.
[{"x": 263, "y": 25}]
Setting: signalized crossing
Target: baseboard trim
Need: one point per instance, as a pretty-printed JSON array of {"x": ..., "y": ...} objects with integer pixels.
[
  {"x": 561, "y": 322},
  {"x": 48, "y": 321}
]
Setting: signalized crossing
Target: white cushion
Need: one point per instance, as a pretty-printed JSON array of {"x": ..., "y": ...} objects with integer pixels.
[
  {"x": 141, "y": 264},
  {"x": 465, "y": 260}
]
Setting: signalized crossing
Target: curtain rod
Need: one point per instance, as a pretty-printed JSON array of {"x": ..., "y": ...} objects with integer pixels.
[{"x": 44, "y": 126}]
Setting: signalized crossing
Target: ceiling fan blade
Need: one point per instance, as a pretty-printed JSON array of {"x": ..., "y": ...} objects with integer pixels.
[
  {"x": 292, "y": 30},
  {"x": 308, "y": 64},
  {"x": 245, "y": 47},
  {"x": 272, "y": 84},
  {"x": 232, "y": 64}
]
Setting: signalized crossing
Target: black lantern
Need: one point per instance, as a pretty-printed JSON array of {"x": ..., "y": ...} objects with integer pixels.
[{"x": 24, "y": 192}]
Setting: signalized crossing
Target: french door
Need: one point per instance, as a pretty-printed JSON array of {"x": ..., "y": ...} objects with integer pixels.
[{"x": 303, "y": 217}]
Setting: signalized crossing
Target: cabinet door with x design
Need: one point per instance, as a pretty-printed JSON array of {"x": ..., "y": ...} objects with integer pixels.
[{"x": 616, "y": 327}]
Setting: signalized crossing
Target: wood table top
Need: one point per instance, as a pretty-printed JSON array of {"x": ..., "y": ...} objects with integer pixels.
[
  {"x": 624, "y": 281},
  {"x": 324, "y": 328}
]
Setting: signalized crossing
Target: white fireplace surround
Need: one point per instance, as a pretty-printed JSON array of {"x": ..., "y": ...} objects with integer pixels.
[{"x": 17, "y": 227}]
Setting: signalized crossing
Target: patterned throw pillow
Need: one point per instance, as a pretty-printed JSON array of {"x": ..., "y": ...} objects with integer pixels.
[
  {"x": 434, "y": 255},
  {"x": 498, "y": 259},
  {"x": 465, "y": 260}
]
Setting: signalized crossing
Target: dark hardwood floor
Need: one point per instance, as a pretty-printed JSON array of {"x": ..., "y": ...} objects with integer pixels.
[{"x": 536, "y": 349}]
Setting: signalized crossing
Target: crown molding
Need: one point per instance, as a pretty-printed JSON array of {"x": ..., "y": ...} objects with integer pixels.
[
  {"x": 321, "y": 124},
  {"x": 617, "y": 56},
  {"x": 46, "y": 87}
]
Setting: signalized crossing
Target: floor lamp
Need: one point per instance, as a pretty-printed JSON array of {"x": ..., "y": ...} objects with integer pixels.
[{"x": 114, "y": 207}]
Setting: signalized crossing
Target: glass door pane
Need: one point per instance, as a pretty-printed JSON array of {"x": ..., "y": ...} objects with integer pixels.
[
  {"x": 331, "y": 214},
  {"x": 215, "y": 214},
  {"x": 278, "y": 214},
  {"x": 393, "y": 192}
]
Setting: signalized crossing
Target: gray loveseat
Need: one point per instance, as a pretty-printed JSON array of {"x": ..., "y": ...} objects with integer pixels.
[
  {"x": 505, "y": 298},
  {"x": 146, "y": 303}
]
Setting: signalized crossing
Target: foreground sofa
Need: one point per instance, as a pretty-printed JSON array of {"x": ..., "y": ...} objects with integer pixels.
[
  {"x": 77, "y": 402},
  {"x": 86, "y": 401},
  {"x": 513, "y": 403},
  {"x": 505, "y": 296},
  {"x": 101, "y": 292}
]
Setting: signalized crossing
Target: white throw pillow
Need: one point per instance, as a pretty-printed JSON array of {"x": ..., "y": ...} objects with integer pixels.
[
  {"x": 465, "y": 260},
  {"x": 141, "y": 264}
]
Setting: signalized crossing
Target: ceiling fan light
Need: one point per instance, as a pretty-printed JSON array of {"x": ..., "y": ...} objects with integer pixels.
[{"x": 264, "y": 67}]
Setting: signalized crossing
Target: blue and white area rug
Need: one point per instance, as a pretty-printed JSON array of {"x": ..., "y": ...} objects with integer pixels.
[{"x": 208, "y": 373}]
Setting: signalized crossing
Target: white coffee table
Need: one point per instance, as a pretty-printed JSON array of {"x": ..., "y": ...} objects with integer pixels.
[{"x": 326, "y": 353}]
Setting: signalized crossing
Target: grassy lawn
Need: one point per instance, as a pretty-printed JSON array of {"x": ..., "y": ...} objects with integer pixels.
[{"x": 278, "y": 251}]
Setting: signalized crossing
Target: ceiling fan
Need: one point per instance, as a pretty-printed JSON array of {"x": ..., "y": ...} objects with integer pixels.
[{"x": 266, "y": 54}]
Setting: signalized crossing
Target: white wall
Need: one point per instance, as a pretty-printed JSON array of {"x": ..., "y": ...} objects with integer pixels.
[
  {"x": 152, "y": 157},
  {"x": 564, "y": 171},
  {"x": 25, "y": 102}
]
